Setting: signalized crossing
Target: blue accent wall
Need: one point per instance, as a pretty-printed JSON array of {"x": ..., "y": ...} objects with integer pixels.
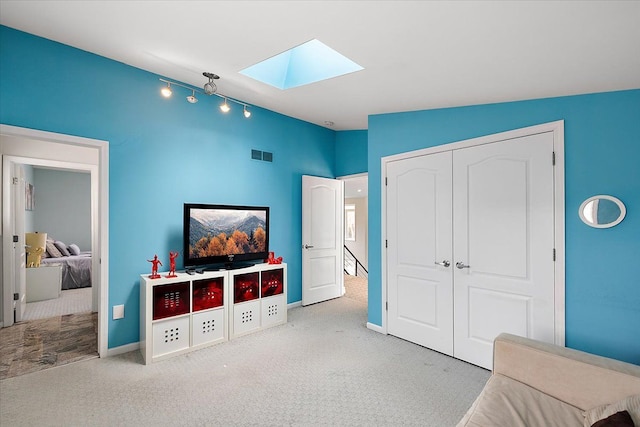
[
  {"x": 162, "y": 153},
  {"x": 351, "y": 152},
  {"x": 602, "y": 152}
]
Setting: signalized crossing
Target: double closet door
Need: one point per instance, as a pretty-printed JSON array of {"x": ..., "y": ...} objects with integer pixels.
[{"x": 470, "y": 241}]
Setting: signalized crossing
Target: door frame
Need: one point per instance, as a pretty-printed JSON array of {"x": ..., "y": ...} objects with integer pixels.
[
  {"x": 557, "y": 128},
  {"x": 99, "y": 212}
]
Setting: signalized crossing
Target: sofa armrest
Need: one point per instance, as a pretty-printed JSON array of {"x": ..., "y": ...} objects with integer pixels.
[{"x": 580, "y": 379}]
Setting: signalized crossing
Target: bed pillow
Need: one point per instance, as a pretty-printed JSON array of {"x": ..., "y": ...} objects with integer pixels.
[
  {"x": 53, "y": 251},
  {"x": 74, "y": 249},
  {"x": 62, "y": 248}
]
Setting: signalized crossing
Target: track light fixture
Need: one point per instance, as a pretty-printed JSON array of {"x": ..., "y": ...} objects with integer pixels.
[
  {"x": 209, "y": 88},
  {"x": 166, "y": 91},
  {"x": 192, "y": 98},
  {"x": 225, "y": 107}
]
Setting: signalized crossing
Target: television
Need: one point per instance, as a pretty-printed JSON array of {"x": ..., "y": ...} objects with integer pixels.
[{"x": 224, "y": 236}]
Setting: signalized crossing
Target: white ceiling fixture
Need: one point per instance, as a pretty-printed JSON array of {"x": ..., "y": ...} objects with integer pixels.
[
  {"x": 416, "y": 55},
  {"x": 209, "y": 88}
]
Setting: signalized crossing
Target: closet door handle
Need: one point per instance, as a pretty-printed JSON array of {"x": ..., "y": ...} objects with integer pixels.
[
  {"x": 308, "y": 246},
  {"x": 444, "y": 263},
  {"x": 461, "y": 265}
]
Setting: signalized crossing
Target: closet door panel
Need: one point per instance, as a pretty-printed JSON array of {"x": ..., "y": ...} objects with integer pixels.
[
  {"x": 503, "y": 237},
  {"x": 419, "y": 236}
]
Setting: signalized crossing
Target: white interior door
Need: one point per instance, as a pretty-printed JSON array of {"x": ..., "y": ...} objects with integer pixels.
[
  {"x": 322, "y": 234},
  {"x": 419, "y": 250},
  {"x": 19, "y": 254},
  {"x": 503, "y": 244}
]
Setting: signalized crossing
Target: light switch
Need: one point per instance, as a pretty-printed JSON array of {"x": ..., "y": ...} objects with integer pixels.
[{"x": 118, "y": 312}]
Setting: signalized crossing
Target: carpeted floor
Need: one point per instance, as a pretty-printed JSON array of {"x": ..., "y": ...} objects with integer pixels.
[
  {"x": 70, "y": 301},
  {"x": 324, "y": 367}
]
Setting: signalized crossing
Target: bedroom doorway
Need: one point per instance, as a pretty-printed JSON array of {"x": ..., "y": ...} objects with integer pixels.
[
  {"x": 55, "y": 152},
  {"x": 356, "y": 268}
]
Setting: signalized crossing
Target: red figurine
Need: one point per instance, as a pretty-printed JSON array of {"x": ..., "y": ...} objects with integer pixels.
[
  {"x": 172, "y": 264},
  {"x": 273, "y": 260},
  {"x": 154, "y": 269}
]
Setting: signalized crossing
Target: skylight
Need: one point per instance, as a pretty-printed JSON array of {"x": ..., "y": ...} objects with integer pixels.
[{"x": 310, "y": 62}]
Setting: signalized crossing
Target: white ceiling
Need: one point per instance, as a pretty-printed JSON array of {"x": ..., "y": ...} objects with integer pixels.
[{"x": 416, "y": 54}]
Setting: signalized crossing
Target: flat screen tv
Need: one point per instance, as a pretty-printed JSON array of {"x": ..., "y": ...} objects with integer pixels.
[{"x": 232, "y": 236}]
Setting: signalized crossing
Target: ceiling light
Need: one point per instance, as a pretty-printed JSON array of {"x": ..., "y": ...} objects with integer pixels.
[
  {"x": 225, "y": 107},
  {"x": 210, "y": 87},
  {"x": 192, "y": 98},
  {"x": 166, "y": 91}
]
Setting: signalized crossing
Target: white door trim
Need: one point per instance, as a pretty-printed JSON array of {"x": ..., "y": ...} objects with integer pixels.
[
  {"x": 557, "y": 128},
  {"x": 100, "y": 210}
]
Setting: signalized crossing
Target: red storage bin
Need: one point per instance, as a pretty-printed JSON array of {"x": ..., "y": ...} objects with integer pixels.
[
  {"x": 170, "y": 300},
  {"x": 245, "y": 287},
  {"x": 272, "y": 281},
  {"x": 208, "y": 293}
]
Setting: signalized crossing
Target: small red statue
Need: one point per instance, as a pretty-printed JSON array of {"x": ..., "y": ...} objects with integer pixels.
[
  {"x": 273, "y": 260},
  {"x": 154, "y": 269},
  {"x": 172, "y": 264}
]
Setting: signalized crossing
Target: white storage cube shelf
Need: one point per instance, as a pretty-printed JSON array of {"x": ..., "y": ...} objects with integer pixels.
[
  {"x": 188, "y": 312},
  {"x": 258, "y": 297}
]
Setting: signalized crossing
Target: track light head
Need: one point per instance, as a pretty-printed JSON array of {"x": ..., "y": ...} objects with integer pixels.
[
  {"x": 247, "y": 113},
  {"x": 210, "y": 87},
  {"x": 166, "y": 91},
  {"x": 192, "y": 98},
  {"x": 225, "y": 107}
]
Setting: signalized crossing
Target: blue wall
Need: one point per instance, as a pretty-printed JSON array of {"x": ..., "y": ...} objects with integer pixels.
[
  {"x": 162, "y": 153},
  {"x": 602, "y": 151},
  {"x": 351, "y": 152}
]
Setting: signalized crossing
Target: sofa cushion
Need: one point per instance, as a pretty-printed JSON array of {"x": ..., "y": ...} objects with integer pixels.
[
  {"x": 631, "y": 404},
  {"x": 506, "y": 402},
  {"x": 580, "y": 379}
]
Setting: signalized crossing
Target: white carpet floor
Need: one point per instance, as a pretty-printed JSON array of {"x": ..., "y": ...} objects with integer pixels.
[
  {"x": 322, "y": 368},
  {"x": 69, "y": 302}
]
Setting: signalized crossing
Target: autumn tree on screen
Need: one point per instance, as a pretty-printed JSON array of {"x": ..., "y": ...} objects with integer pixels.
[{"x": 237, "y": 243}]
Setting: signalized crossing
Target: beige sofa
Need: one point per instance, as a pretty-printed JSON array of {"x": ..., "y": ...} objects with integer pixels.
[{"x": 537, "y": 384}]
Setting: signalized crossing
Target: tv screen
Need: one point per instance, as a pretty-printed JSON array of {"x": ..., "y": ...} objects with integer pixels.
[{"x": 224, "y": 234}]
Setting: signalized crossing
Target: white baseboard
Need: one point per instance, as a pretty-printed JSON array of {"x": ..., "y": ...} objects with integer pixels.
[
  {"x": 123, "y": 349},
  {"x": 294, "y": 305},
  {"x": 376, "y": 328}
]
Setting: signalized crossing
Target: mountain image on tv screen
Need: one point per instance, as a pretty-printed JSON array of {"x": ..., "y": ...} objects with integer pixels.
[{"x": 214, "y": 232}]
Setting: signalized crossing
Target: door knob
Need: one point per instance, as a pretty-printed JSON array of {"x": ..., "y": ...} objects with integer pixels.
[
  {"x": 444, "y": 263},
  {"x": 308, "y": 246},
  {"x": 461, "y": 265}
]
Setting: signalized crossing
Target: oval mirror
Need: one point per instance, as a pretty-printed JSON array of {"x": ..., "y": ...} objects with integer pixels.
[{"x": 602, "y": 211}]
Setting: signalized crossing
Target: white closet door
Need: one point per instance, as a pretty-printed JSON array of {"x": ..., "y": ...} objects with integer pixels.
[
  {"x": 420, "y": 294},
  {"x": 503, "y": 231}
]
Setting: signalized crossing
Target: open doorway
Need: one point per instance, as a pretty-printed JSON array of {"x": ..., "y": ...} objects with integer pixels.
[
  {"x": 56, "y": 157},
  {"x": 356, "y": 236}
]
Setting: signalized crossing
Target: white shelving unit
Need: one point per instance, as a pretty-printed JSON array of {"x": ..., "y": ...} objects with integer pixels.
[
  {"x": 258, "y": 298},
  {"x": 189, "y": 312},
  {"x": 182, "y": 314}
]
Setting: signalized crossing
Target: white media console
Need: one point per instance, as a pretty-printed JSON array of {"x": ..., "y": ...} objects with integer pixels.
[{"x": 193, "y": 311}]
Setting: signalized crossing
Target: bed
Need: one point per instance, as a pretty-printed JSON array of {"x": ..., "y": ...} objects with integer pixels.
[{"x": 76, "y": 265}]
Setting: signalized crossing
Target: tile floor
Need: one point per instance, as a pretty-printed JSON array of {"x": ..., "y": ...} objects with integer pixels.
[{"x": 40, "y": 344}]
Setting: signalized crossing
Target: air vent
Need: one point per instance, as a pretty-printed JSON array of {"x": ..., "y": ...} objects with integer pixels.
[{"x": 262, "y": 155}]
